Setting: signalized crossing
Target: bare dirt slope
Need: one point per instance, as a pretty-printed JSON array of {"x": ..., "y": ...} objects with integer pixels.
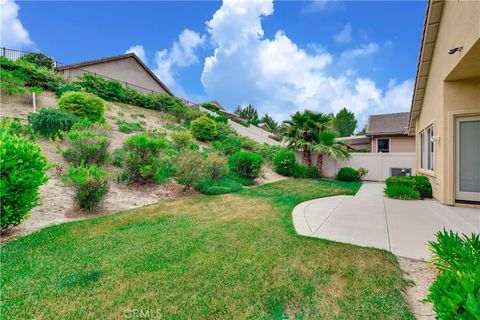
[{"x": 56, "y": 198}]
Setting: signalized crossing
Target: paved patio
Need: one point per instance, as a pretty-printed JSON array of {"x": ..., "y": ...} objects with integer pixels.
[{"x": 369, "y": 219}]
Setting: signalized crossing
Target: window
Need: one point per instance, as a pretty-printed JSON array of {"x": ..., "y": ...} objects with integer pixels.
[
  {"x": 383, "y": 145},
  {"x": 430, "y": 148},
  {"x": 422, "y": 150}
]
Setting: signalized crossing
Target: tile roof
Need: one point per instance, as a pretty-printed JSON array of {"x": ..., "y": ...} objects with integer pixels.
[{"x": 388, "y": 124}]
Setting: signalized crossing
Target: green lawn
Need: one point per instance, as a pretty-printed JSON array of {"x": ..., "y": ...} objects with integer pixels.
[{"x": 234, "y": 256}]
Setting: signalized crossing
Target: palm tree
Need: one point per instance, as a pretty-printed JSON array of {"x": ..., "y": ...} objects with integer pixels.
[
  {"x": 325, "y": 143},
  {"x": 300, "y": 131}
]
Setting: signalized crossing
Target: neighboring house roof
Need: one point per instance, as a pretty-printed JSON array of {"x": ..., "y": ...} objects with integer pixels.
[
  {"x": 429, "y": 37},
  {"x": 122, "y": 56},
  {"x": 264, "y": 126},
  {"x": 388, "y": 124}
]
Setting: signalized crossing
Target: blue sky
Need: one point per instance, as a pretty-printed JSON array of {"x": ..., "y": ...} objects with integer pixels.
[{"x": 282, "y": 56}]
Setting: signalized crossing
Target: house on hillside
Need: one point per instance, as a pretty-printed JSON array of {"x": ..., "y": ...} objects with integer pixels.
[
  {"x": 126, "y": 68},
  {"x": 445, "y": 111},
  {"x": 388, "y": 133}
]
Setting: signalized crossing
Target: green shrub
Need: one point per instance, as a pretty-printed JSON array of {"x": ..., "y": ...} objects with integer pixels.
[
  {"x": 362, "y": 172},
  {"x": 82, "y": 124},
  {"x": 83, "y": 105},
  {"x": 401, "y": 192},
  {"x": 144, "y": 160},
  {"x": 248, "y": 143},
  {"x": 190, "y": 167},
  {"x": 247, "y": 164},
  {"x": 23, "y": 169},
  {"x": 304, "y": 172},
  {"x": 217, "y": 166},
  {"x": 204, "y": 129},
  {"x": 418, "y": 183},
  {"x": 455, "y": 293},
  {"x": 347, "y": 174},
  {"x": 14, "y": 126},
  {"x": 90, "y": 183},
  {"x": 129, "y": 127},
  {"x": 181, "y": 138},
  {"x": 238, "y": 178},
  {"x": 66, "y": 88},
  {"x": 423, "y": 186},
  {"x": 110, "y": 90},
  {"x": 118, "y": 158},
  {"x": 267, "y": 151},
  {"x": 221, "y": 119},
  {"x": 51, "y": 123},
  {"x": 211, "y": 107},
  {"x": 284, "y": 162},
  {"x": 215, "y": 187},
  {"x": 227, "y": 146},
  {"x": 39, "y": 59},
  {"x": 32, "y": 75},
  {"x": 86, "y": 147},
  {"x": 224, "y": 131}
]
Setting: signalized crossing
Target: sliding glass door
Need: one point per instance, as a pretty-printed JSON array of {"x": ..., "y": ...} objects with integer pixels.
[{"x": 468, "y": 159}]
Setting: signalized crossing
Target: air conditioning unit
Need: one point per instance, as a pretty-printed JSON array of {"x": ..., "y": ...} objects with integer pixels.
[{"x": 400, "y": 172}]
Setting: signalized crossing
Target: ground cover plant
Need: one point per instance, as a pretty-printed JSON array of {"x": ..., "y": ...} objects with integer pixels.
[
  {"x": 129, "y": 127},
  {"x": 229, "y": 256},
  {"x": 455, "y": 293},
  {"x": 23, "y": 169},
  {"x": 401, "y": 192}
]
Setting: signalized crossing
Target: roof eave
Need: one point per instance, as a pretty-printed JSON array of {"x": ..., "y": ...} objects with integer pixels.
[{"x": 430, "y": 29}]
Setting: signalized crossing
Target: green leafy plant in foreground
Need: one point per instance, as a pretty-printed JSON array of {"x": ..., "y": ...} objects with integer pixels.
[
  {"x": 401, "y": 192},
  {"x": 23, "y": 169},
  {"x": 455, "y": 293}
]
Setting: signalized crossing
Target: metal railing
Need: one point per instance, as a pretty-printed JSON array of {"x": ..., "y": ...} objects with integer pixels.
[{"x": 76, "y": 72}]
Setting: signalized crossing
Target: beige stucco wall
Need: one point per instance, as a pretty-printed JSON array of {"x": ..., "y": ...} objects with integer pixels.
[
  {"x": 124, "y": 70},
  {"x": 443, "y": 101},
  {"x": 397, "y": 143}
]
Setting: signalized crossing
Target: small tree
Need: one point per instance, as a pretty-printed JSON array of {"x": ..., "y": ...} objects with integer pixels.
[
  {"x": 345, "y": 122},
  {"x": 248, "y": 113},
  {"x": 272, "y": 124}
]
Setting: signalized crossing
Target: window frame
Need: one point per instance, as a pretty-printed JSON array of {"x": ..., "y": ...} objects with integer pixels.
[
  {"x": 422, "y": 149},
  {"x": 389, "y": 142},
  {"x": 430, "y": 148}
]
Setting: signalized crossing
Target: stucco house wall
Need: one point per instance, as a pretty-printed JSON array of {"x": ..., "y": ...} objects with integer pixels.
[
  {"x": 126, "y": 70},
  {"x": 452, "y": 89},
  {"x": 397, "y": 143}
]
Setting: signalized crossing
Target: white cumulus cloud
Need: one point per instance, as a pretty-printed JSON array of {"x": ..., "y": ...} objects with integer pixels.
[
  {"x": 139, "y": 52},
  {"x": 182, "y": 54},
  {"x": 344, "y": 36},
  {"x": 279, "y": 77},
  {"x": 13, "y": 33}
]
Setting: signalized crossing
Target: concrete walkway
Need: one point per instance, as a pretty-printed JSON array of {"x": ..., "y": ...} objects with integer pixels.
[{"x": 369, "y": 219}]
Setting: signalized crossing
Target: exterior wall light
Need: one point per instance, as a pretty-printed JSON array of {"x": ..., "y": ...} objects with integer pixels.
[{"x": 457, "y": 49}]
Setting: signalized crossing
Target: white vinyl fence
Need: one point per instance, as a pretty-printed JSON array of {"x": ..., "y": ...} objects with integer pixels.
[{"x": 379, "y": 165}]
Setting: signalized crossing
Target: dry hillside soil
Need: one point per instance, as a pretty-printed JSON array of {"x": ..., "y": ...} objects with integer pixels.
[{"x": 57, "y": 205}]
